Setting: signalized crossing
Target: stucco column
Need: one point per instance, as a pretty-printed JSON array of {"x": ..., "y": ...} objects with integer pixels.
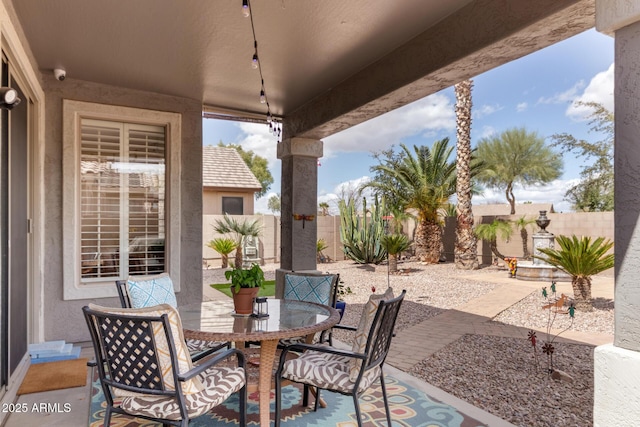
[
  {"x": 617, "y": 365},
  {"x": 298, "y": 197}
]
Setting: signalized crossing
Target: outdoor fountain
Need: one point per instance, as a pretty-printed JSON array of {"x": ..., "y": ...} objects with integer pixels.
[{"x": 539, "y": 269}]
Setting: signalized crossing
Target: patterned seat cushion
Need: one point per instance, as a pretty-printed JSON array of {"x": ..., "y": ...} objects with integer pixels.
[
  {"x": 194, "y": 385},
  {"x": 362, "y": 333},
  {"x": 308, "y": 288},
  {"x": 326, "y": 371},
  {"x": 219, "y": 383},
  {"x": 147, "y": 291}
]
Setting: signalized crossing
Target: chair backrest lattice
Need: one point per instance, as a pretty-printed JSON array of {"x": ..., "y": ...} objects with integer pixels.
[
  {"x": 127, "y": 349},
  {"x": 312, "y": 287},
  {"x": 381, "y": 332}
]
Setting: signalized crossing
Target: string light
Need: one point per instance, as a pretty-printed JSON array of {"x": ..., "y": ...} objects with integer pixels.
[
  {"x": 275, "y": 127},
  {"x": 245, "y": 8}
]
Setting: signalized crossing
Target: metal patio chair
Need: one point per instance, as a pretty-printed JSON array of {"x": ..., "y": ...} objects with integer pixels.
[{"x": 145, "y": 370}]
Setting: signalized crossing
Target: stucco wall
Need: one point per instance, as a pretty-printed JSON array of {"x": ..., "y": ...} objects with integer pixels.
[
  {"x": 212, "y": 201},
  {"x": 63, "y": 319}
]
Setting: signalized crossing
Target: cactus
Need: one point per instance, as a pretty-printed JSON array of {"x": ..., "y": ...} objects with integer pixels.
[{"x": 362, "y": 235}]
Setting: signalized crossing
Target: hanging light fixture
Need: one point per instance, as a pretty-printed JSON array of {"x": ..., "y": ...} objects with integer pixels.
[
  {"x": 245, "y": 8},
  {"x": 275, "y": 127}
]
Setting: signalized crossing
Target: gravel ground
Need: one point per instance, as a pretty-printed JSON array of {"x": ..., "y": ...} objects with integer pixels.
[{"x": 499, "y": 375}]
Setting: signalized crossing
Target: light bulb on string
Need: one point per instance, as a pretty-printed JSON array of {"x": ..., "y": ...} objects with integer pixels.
[
  {"x": 269, "y": 117},
  {"x": 254, "y": 61},
  {"x": 245, "y": 8},
  {"x": 263, "y": 97}
]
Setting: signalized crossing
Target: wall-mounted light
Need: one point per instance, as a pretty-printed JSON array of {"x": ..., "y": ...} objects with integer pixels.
[{"x": 8, "y": 98}]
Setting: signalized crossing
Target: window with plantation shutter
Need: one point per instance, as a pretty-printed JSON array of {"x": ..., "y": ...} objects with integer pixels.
[
  {"x": 122, "y": 199},
  {"x": 117, "y": 162}
]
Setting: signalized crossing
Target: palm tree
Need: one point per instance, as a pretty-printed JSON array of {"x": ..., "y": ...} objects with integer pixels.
[
  {"x": 466, "y": 253},
  {"x": 240, "y": 230},
  {"x": 521, "y": 224},
  {"x": 395, "y": 244},
  {"x": 491, "y": 232},
  {"x": 580, "y": 258},
  {"x": 517, "y": 157},
  {"x": 423, "y": 181},
  {"x": 324, "y": 208},
  {"x": 224, "y": 246}
]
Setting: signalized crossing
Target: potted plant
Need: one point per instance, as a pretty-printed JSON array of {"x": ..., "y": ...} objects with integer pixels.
[{"x": 245, "y": 284}]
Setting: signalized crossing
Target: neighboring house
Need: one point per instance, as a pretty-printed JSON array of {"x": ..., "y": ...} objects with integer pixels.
[{"x": 228, "y": 185}]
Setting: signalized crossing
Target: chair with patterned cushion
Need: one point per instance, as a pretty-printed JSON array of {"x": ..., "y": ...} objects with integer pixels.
[
  {"x": 145, "y": 369},
  {"x": 147, "y": 291},
  {"x": 321, "y": 288},
  {"x": 343, "y": 371}
]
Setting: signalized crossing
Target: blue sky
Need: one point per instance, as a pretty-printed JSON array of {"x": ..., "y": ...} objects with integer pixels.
[{"x": 538, "y": 92}]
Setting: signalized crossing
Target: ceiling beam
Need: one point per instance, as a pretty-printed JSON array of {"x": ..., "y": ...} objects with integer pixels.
[{"x": 481, "y": 36}]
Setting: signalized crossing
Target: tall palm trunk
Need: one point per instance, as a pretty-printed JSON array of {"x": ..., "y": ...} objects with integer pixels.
[
  {"x": 428, "y": 241},
  {"x": 466, "y": 253},
  {"x": 582, "y": 293},
  {"x": 524, "y": 234}
]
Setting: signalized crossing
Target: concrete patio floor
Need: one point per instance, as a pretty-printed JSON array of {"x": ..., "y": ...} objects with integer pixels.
[{"x": 409, "y": 347}]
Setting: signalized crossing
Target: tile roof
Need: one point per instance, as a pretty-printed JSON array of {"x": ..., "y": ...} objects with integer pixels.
[{"x": 223, "y": 167}]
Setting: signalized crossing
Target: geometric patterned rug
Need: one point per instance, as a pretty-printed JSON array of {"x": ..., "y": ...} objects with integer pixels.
[{"x": 409, "y": 408}]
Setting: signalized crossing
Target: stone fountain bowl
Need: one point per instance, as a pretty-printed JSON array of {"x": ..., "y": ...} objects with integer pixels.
[{"x": 541, "y": 273}]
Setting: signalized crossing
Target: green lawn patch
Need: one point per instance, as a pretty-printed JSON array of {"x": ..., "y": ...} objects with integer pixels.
[{"x": 269, "y": 289}]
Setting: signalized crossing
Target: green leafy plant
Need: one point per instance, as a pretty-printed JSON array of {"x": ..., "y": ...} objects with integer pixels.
[
  {"x": 581, "y": 258},
  {"x": 490, "y": 232},
  {"x": 224, "y": 246},
  {"x": 245, "y": 277},
  {"x": 395, "y": 244},
  {"x": 361, "y": 235},
  {"x": 240, "y": 230}
]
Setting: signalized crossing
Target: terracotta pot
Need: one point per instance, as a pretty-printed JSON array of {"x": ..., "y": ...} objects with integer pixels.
[{"x": 243, "y": 300}]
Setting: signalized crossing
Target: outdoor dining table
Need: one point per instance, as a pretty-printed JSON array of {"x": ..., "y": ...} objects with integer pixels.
[{"x": 216, "y": 321}]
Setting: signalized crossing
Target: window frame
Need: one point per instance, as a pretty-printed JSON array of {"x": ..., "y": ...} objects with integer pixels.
[
  {"x": 73, "y": 113},
  {"x": 236, "y": 198}
]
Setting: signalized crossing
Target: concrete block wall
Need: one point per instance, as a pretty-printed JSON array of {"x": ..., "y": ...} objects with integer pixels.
[{"x": 594, "y": 224}]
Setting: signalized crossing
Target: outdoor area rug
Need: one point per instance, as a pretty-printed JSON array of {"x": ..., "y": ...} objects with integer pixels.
[
  {"x": 54, "y": 376},
  {"x": 409, "y": 408}
]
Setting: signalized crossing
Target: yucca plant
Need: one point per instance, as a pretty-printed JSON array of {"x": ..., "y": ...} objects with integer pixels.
[
  {"x": 395, "y": 244},
  {"x": 224, "y": 246},
  {"x": 491, "y": 232},
  {"x": 362, "y": 235},
  {"x": 581, "y": 258}
]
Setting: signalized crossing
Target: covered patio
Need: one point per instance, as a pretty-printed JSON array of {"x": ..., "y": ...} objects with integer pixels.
[{"x": 324, "y": 67}]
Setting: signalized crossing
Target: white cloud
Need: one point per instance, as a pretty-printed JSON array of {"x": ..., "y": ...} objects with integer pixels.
[
  {"x": 485, "y": 110},
  {"x": 562, "y": 97},
  {"x": 522, "y": 106},
  {"x": 426, "y": 116},
  {"x": 550, "y": 193},
  {"x": 599, "y": 90},
  {"x": 487, "y": 131},
  {"x": 257, "y": 138}
]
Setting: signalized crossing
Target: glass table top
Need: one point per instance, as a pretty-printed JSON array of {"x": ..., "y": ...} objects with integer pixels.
[{"x": 287, "y": 318}]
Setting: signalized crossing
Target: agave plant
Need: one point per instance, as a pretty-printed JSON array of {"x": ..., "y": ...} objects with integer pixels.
[
  {"x": 224, "y": 246},
  {"x": 581, "y": 258},
  {"x": 362, "y": 235},
  {"x": 395, "y": 244}
]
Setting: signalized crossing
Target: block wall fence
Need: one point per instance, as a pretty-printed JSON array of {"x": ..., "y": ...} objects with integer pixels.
[{"x": 594, "y": 224}]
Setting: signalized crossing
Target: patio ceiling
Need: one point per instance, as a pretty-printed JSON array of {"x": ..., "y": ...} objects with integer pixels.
[{"x": 327, "y": 64}]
